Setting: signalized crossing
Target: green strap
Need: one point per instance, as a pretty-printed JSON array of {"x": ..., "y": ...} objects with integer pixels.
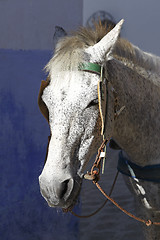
[{"x": 91, "y": 67}]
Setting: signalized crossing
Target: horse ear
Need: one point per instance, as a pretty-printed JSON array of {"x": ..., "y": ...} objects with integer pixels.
[
  {"x": 58, "y": 34},
  {"x": 106, "y": 44}
]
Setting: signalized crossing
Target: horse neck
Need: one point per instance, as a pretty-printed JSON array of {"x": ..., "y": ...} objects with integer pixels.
[
  {"x": 136, "y": 129},
  {"x": 135, "y": 58}
]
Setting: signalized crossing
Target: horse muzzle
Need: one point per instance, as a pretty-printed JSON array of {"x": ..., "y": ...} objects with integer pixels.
[{"x": 60, "y": 193}]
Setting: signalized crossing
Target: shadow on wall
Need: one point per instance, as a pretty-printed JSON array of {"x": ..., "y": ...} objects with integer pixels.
[{"x": 23, "y": 212}]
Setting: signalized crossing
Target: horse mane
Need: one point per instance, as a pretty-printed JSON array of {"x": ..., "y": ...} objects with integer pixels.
[{"x": 68, "y": 52}]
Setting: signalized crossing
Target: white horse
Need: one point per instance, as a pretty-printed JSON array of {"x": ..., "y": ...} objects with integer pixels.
[{"x": 69, "y": 101}]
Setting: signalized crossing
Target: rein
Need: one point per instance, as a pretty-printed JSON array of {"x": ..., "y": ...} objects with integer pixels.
[{"x": 94, "y": 174}]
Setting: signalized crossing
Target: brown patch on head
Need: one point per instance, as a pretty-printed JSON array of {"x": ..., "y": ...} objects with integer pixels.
[{"x": 42, "y": 106}]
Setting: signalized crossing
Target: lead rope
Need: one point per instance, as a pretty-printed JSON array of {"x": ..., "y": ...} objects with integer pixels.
[
  {"x": 98, "y": 210},
  {"x": 148, "y": 222},
  {"x": 94, "y": 176}
]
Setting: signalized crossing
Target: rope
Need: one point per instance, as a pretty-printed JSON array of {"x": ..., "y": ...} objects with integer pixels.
[
  {"x": 95, "y": 212},
  {"x": 147, "y": 223},
  {"x": 94, "y": 176}
]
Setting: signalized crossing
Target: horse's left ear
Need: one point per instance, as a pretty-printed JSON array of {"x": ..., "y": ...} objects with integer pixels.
[
  {"x": 106, "y": 44},
  {"x": 58, "y": 34}
]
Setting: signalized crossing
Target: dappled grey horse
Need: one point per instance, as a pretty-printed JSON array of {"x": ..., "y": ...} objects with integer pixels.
[{"x": 130, "y": 107}]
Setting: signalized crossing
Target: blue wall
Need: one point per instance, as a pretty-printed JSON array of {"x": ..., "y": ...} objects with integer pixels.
[{"x": 24, "y": 214}]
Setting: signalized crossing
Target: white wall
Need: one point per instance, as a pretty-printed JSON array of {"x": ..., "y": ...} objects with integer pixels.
[
  {"x": 142, "y": 19},
  {"x": 29, "y": 24}
]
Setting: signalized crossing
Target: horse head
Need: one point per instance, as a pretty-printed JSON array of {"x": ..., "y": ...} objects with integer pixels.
[{"x": 69, "y": 101}]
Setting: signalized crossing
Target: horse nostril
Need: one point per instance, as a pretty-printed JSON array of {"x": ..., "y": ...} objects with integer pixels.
[{"x": 63, "y": 188}]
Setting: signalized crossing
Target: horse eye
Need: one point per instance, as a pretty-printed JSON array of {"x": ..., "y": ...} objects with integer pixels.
[{"x": 93, "y": 103}]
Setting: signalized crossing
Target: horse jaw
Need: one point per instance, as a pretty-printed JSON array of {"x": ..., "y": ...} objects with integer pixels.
[{"x": 105, "y": 45}]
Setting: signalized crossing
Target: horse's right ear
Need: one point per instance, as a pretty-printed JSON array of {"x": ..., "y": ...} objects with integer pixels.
[
  {"x": 105, "y": 46},
  {"x": 58, "y": 34}
]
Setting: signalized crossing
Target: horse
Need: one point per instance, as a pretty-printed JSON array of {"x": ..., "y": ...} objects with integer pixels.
[{"x": 86, "y": 64}]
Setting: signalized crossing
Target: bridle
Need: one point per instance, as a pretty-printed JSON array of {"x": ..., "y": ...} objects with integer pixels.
[
  {"x": 107, "y": 103},
  {"x": 94, "y": 174},
  {"x": 102, "y": 89}
]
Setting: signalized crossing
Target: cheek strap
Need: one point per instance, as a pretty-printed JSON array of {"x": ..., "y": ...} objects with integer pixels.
[
  {"x": 101, "y": 88},
  {"x": 102, "y": 100}
]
